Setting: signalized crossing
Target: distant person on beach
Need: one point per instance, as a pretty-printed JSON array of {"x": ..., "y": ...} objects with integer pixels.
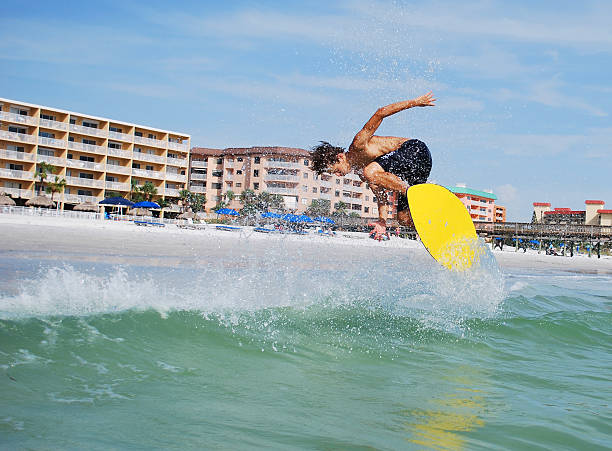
[{"x": 385, "y": 163}]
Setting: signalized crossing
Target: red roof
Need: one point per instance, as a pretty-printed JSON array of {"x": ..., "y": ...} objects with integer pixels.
[
  {"x": 594, "y": 202},
  {"x": 563, "y": 209},
  {"x": 564, "y": 212},
  {"x": 606, "y": 212},
  {"x": 541, "y": 204}
]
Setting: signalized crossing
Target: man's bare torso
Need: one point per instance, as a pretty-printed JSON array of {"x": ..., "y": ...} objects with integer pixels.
[{"x": 361, "y": 154}]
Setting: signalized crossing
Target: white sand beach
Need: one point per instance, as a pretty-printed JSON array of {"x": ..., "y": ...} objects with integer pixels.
[{"x": 122, "y": 242}]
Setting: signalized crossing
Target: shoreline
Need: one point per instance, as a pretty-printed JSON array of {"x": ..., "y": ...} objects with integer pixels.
[{"x": 49, "y": 238}]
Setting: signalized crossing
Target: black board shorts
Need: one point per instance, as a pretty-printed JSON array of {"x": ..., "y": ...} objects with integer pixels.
[{"x": 411, "y": 162}]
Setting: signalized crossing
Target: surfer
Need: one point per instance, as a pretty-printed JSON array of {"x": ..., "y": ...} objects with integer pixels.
[{"x": 385, "y": 163}]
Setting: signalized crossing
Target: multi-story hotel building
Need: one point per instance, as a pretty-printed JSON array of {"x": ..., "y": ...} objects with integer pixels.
[
  {"x": 480, "y": 204},
  {"x": 276, "y": 170},
  {"x": 94, "y": 155},
  {"x": 594, "y": 213}
]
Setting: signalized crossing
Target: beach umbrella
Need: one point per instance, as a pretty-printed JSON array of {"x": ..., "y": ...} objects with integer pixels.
[
  {"x": 86, "y": 206},
  {"x": 227, "y": 211},
  {"x": 325, "y": 219},
  {"x": 6, "y": 200},
  {"x": 304, "y": 218},
  {"x": 146, "y": 204},
  {"x": 270, "y": 214},
  {"x": 40, "y": 201},
  {"x": 121, "y": 201}
]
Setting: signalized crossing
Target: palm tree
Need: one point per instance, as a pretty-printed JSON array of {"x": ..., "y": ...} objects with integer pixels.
[
  {"x": 163, "y": 203},
  {"x": 42, "y": 170},
  {"x": 229, "y": 196},
  {"x": 340, "y": 209},
  {"x": 56, "y": 187},
  {"x": 184, "y": 196},
  {"x": 147, "y": 191}
]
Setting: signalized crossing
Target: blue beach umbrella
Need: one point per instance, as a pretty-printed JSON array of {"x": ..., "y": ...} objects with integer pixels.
[
  {"x": 270, "y": 214},
  {"x": 227, "y": 211},
  {"x": 121, "y": 201},
  {"x": 325, "y": 219},
  {"x": 146, "y": 204},
  {"x": 304, "y": 218},
  {"x": 289, "y": 217}
]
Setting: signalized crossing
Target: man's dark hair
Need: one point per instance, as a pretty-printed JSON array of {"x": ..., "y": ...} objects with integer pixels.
[{"x": 323, "y": 156}]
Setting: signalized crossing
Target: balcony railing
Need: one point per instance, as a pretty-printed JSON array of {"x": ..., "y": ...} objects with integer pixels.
[
  {"x": 325, "y": 183},
  {"x": 119, "y": 152},
  {"x": 121, "y": 136},
  {"x": 13, "y": 155},
  {"x": 147, "y": 174},
  {"x": 17, "y": 192},
  {"x": 21, "y": 137},
  {"x": 274, "y": 190},
  {"x": 52, "y": 142},
  {"x": 84, "y": 165},
  {"x": 196, "y": 189},
  {"x": 148, "y": 157},
  {"x": 18, "y": 118},
  {"x": 325, "y": 196},
  {"x": 88, "y": 130},
  {"x": 48, "y": 123},
  {"x": 178, "y": 146},
  {"x": 56, "y": 161},
  {"x": 150, "y": 141},
  {"x": 78, "y": 199},
  {"x": 92, "y": 148},
  {"x": 116, "y": 169},
  {"x": 282, "y": 164},
  {"x": 119, "y": 186},
  {"x": 195, "y": 176},
  {"x": 200, "y": 164},
  {"x": 176, "y": 177},
  {"x": 85, "y": 182},
  {"x": 16, "y": 174},
  {"x": 171, "y": 192},
  {"x": 182, "y": 162},
  {"x": 282, "y": 177}
]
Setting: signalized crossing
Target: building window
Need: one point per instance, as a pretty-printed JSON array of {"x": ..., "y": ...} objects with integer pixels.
[
  {"x": 84, "y": 175},
  {"x": 304, "y": 201},
  {"x": 256, "y": 173},
  {"x": 72, "y": 121},
  {"x": 239, "y": 159},
  {"x": 113, "y": 145},
  {"x": 257, "y": 160},
  {"x": 152, "y": 136},
  {"x": 305, "y": 175},
  {"x": 337, "y": 193},
  {"x": 366, "y": 209},
  {"x": 219, "y": 160},
  {"x": 90, "y": 124},
  {"x": 217, "y": 173},
  {"x": 367, "y": 198},
  {"x": 47, "y": 117},
  {"x": 238, "y": 172},
  {"x": 305, "y": 188},
  {"x": 337, "y": 181},
  {"x": 136, "y": 165},
  {"x": 115, "y": 129},
  {"x": 139, "y": 134},
  {"x": 46, "y": 134},
  {"x": 238, "y": 184},
  {"x": 216, "y": 185},
  {"x": 305, "y": 162},
  {"x": 314, "y": 190},
  {"x": 14, "y": 129},
  {"x": 150, "y": 168},
  {"x": 256, "y": 185},
  {"x": 46, "y": 152},
  {"x": 87, "y": 158},
  {"x": 92, "y": 142}
]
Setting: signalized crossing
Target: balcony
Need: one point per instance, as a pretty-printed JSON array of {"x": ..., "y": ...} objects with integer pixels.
[
  {"x": 149, "y": 157},
  {"x": 52, "y": 142},
  {"x": 88, "y": 130},
  {"x": 281, "y": 178},
  {"x": 76, "y": 199},
  {"x": 121, "y": 136},
  {"x": 17, "y": 193},
  {"x": 84, "y": 165},
  {"x": 195, "y": 176},
  {"x": 18, "y": 118},
  {"x": 171, "y": 176},
  {"x": 285, "y": 191},
  {"x": 13, "y": 155},
  {"x": 117, "y": 186},
  {"x": 150, "y": 142},
  {"x": 172, "y": 192},
  {"x": 16, "y": 174},
  {"x": 48, "y": 123},
  {"x": 116, "y": 169},
  {"x": 19, "y": 137},
  {"x": 282, "y": 164},
  {"x": 147, "y": 174},
  {"x": 93, "y": 183},
  {"x": 325, "y": 183},
  {"x": 325, "y": 196},
  {"x": 56, "y": 161},
  {"x": 198, "y": 189},
  {"x": 181, "y": 162},
  {"x": 118, "y": 152},
  {"x": 199, "y": 164},
  {"x": 178, "y": 146},
  {"x": 91, "y": 148}
]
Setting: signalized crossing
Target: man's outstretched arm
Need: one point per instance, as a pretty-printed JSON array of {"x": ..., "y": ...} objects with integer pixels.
[{"x": 372, "y": 125}]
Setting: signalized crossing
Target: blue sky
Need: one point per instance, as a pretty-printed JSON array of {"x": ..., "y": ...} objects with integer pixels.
[{"x": 524, "y": 88}]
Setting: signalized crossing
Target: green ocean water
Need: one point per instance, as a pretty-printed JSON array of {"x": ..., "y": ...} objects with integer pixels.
[{"x": 262, "y": 355}]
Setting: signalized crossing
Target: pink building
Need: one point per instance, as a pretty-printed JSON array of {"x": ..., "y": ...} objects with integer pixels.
[{"x": 480, "y": 204}]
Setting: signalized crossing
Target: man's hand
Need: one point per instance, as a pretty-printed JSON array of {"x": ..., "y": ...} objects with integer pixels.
[{"x": 426, "y": 100}]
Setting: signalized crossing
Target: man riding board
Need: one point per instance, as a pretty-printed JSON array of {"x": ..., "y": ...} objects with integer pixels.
[{"x": 385, "y": 163}]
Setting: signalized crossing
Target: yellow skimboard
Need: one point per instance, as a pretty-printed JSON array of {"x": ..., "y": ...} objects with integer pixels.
[{"x": 444, "y": 226}]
